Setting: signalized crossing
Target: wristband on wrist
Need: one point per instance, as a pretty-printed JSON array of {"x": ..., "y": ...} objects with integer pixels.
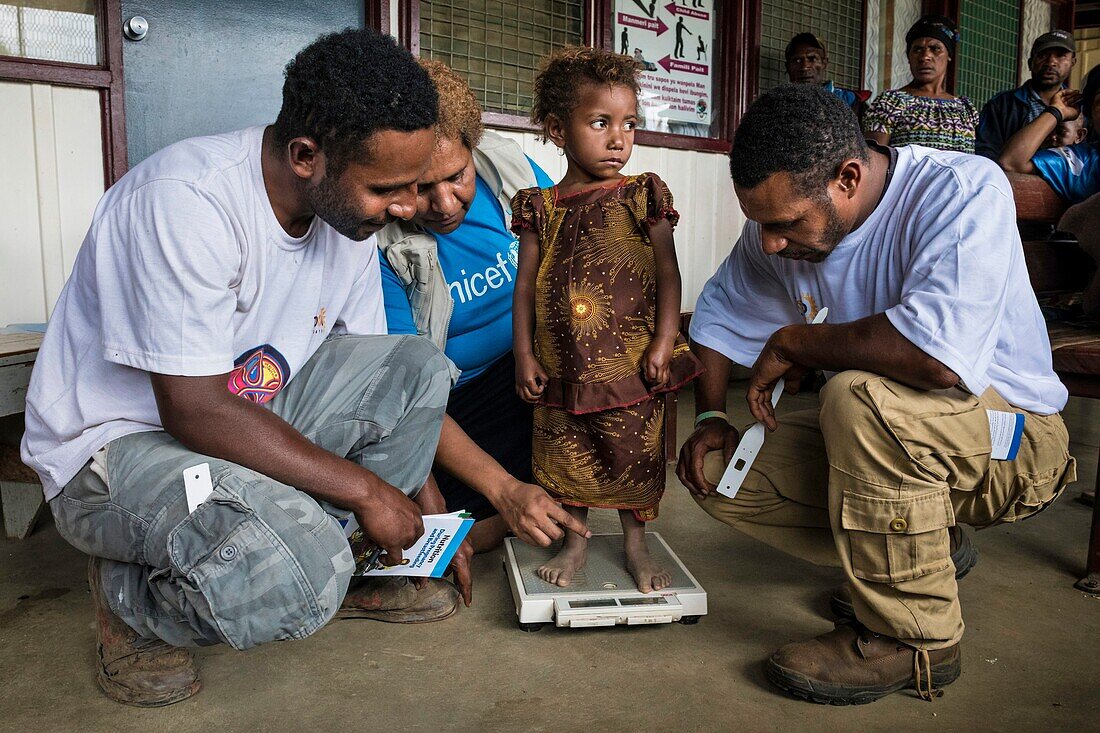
[
  {"x": 709, "y": 414},
  {"x": 1054, "y": 112}
]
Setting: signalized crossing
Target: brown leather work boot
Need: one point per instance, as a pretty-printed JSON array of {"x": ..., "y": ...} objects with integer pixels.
[
  {"x": 963, "y": 554},
  {"x": 134, "y": 670},
  {"x": 396, "y": 600},
  {"x": 852, "y": 666}
]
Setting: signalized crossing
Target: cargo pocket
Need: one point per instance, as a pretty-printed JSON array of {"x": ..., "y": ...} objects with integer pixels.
[
  {"x": 895, "y": 540},
  {"x": 235, "y": 565},
  {"x": 945, "y": 432},
  {"x": 1034, "y": 492}
]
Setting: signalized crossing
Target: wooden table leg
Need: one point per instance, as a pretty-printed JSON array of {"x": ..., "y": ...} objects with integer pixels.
[{"x": 1091, "y": 582}]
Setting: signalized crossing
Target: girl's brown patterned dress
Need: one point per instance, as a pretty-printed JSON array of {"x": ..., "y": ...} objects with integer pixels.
[{"x": 598, "y": 435}]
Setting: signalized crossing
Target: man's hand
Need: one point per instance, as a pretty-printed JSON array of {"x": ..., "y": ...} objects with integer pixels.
[
  {"x": 655, "y": 362},
  {"x": 772, "y": 364},
  {"x": 534, "y": 517},
  {"x": 712, "y": 434},
  {"x": 1068, "y": 102},
  {"x": 531, "y": 378},
  {"x": 389, "y": 518}
]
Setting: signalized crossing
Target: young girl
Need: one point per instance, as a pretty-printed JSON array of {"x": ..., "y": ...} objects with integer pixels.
[{"x": 596, "y": 314}]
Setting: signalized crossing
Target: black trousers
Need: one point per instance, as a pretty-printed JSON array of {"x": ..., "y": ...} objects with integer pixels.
[{"x": 489, "y": 411}]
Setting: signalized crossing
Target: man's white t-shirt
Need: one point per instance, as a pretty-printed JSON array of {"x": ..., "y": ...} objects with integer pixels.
[
  {"x": 186, "y": 271},
  {"x": 940, "y": 256}
]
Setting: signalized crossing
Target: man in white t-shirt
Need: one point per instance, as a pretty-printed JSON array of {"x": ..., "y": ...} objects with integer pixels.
[
  {"x": 931, "y": 324},
  {"x": 240, "y": 260}
]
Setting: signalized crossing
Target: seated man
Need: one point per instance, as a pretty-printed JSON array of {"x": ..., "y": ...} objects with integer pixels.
[
  {"x": 807, "y": 63},
  {"x": 1051, "y": 61},
  {"x": 225, "y": 309},
  {"x": 932, "y": 322},
  {"x": 1074, "y": 171}
]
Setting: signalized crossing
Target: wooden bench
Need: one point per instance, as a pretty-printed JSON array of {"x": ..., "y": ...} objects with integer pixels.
[
  {"x": 1056, "y": 267},
  {"x": 20, "y": 492}
]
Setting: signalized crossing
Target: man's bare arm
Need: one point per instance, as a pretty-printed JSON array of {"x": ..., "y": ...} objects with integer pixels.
[
  {"x": 713, "y": 433},
  {"x": 870, "y": 344},
  {"x": 1019, "y": 149},
  {"x": 205, "y": 417}
]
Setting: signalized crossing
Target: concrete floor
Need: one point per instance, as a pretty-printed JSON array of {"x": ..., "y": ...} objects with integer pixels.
[{"x": 1031, "y": 657}]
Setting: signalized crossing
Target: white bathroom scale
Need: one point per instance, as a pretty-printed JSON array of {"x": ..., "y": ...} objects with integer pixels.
[{"x": 602, "y": 592}]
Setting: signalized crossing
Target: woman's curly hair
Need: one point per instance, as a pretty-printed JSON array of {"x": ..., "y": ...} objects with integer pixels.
[
  {"x": 459, "y": 112},
  {"x": 564, "y": 71}
]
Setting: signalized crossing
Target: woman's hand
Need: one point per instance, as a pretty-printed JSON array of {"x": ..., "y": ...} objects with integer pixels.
[
  {"x": 531, "y": 378},
  {"x": 431, "y": 501}
]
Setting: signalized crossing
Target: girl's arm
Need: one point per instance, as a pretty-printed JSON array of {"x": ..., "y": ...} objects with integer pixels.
[
  {"x": 531, "y": 378},
  {"x": 657, "y": 356}
]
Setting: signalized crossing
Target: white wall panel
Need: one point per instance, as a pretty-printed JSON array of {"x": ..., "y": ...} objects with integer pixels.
[
  {"x": 52, "y": 180},
  {"x": 22, "y": 294},
  {"x": 710, "y": 218},
  {"x": 79, "y": 152}
]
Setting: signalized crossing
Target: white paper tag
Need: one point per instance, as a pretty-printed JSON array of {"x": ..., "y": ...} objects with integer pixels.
[
  {"x": 1005, "y": 430},
  {"x": 197, "y": 484}
]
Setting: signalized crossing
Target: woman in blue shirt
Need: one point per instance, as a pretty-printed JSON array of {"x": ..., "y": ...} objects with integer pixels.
[{"x": 448, "y": 275}]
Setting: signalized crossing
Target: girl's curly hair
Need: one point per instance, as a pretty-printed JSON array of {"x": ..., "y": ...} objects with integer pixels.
[
  {"x": 459, "y": 112},
  {"x": 564, "y": 71}
]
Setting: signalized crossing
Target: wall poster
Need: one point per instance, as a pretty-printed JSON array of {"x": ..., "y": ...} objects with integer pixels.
[{"x": 672, "y": 41}]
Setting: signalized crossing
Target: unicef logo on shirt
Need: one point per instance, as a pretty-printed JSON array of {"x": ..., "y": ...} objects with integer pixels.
[{"x": 513, "y": 254}]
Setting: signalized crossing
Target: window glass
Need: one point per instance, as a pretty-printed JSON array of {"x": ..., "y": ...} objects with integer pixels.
[
  {"x": 836, "y": 23},
  {"x": 496, "y": 45},
  {"x": 988, "y": 33},
  {"x": 51, "y": 30}
]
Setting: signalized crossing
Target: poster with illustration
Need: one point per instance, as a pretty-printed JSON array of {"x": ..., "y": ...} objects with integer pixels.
[{"x": 672, "y": 42}]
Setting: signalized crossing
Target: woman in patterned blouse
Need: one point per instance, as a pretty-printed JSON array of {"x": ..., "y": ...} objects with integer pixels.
[{"x": 923, "y": 112}]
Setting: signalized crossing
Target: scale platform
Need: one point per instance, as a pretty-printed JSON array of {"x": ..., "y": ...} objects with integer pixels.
[{"x": 602, "y": 592}]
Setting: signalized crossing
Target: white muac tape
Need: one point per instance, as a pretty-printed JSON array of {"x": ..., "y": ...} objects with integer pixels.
[
  {"x": 753, "y": 440},
  {"x": 197, "y": 485}
]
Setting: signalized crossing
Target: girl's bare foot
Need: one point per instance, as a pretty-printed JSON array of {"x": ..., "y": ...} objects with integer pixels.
[
  {"x": 561, "y": 569},
  {"x": 571, "y": 557},
  {"x": 648, "y": 575}
]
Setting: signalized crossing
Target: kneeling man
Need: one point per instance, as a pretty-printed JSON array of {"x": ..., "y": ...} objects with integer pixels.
[
  {"x": 932, "y": 323},
  {"x": 225, "y": 309}
]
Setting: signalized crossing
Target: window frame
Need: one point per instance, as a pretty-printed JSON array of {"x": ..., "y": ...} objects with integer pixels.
[
  {"x": 738, "y": 35},
  {"x": 106, "y": 77}
]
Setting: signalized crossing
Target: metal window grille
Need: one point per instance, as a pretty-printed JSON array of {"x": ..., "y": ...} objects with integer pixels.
[
  {"x": 987, "y": 54},
  {"x": 67, "y": 35},
  {"x": 496, "y": 45},
  {"x": 836, "y": 23}
]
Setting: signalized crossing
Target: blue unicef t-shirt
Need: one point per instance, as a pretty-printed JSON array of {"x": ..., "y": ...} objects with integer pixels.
[
  {"x": 1073, "y": 172},
  {"x": 479, "y": 263}
]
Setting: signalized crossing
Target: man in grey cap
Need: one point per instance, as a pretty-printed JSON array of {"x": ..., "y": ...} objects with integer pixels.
[
  {"x": 807, "y": 63},
  {"x": 1051, "y": 61}
]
